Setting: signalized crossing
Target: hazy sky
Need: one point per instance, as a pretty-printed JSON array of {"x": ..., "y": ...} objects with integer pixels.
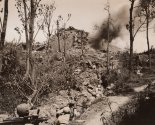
[{"x": 85, "y": 14}]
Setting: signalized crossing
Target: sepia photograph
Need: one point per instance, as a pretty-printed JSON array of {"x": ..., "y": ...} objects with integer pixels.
[{"x": 77, "y": 62}]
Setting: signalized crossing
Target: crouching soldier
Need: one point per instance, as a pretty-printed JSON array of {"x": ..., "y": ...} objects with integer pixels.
[{"x": 23, "y": 109}]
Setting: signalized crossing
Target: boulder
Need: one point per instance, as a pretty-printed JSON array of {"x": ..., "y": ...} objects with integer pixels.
[
  {"x": 61, "y": 101},
  {"x": 66, "y": 110},
  {"x": 64, "y": 119},
  {"x": 92, "y": 99},
  {"x": 33, "y": 112},
  {"x": 76, "y": 113},
  {"x": 47, "y": 111},
  {"x": 44, "y": 113},
  {"x": 90, "y": 86}
]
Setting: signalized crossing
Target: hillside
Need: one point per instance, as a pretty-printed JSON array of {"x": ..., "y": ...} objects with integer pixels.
[
  {"x": 81, "y": 73},
  {"x": 76, "y": 79}
]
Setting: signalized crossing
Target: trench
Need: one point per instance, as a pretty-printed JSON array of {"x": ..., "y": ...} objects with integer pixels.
[{"x": 144, "y": 114}]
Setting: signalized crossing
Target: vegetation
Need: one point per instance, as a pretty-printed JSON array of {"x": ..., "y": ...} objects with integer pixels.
[{"x": 57, "y": 65}]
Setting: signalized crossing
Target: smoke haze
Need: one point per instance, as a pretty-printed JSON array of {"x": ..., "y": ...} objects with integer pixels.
[{"x": 117, "y": 27}]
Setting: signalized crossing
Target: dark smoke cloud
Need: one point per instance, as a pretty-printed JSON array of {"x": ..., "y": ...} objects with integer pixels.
[
  {"x": 102, "y": 35},
  {"x": 118, "y": 21}
]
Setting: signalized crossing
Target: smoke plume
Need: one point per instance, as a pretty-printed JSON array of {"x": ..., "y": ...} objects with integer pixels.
[{"x": 116, "y": 26}]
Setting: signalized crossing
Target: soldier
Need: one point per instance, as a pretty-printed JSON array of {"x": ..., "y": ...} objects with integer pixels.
[{"x": 23, "y": 109}]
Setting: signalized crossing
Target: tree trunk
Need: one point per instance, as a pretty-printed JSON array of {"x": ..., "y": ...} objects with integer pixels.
[
  {"x": 108, "y": 61},
  {"x": 49, "y": 32},
  {"x": 3, "y": 31},
  {"x": 58, "y": 35},
  {"x": 27, "y": 39},
  {"x": 131, "y": 35},
  {"x": 5, "y": 19},
  {"x": 82, "y": 44},
  {"x": 25, "y": 25},
  {"x": 147, "y": 36},
  {"x": 29, "y": 62},
  {"x": 64, "y": 46}
]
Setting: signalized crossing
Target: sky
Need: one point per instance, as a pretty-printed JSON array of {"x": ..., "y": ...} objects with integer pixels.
[{"x": 85, "y": 14}]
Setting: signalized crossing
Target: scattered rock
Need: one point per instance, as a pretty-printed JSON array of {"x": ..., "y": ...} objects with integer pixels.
[
  {"x": 52, "y": 111},
  {"x": 64, "y": 119},
  {"x": 59, "y": 112},
  {"x": 33, "y": 112},
  {"x": 99, "y": 90},
  {"x": 91, "y": 99},
  {"x": 61, "y": 101},
  {"x": 44, "y": 113},
  {"x": 76, "y": 113},
  {"x": 85, "y": 93},
  {"x": 111, "y": 86},
  {"x": 90, "y": 86},
  {"x": 63, "y": 93},
  {"x": 86, "y": 82},
  {"x": 110, "y": 93},
  {"x": 66, "y": 110},
  {"x": 94, "y": 67},
  {"x": 77, "y": 71},
  {"x": 141, "y": 88}
]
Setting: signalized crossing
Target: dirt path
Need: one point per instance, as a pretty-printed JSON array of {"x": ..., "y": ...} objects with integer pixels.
[{"x": 104, "y": 107}]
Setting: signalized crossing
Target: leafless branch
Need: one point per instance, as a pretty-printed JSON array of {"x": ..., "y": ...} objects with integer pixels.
[
  {"x": 139, "y": 28},
  {"x": 39, "y": 29}
]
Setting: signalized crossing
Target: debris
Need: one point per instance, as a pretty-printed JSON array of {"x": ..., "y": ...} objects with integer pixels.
[
  {"x": 111, "y": 86},
  {"x": 99, "y": 91},
  {"x": 64, "y": 119},
  {"x": 76, "y": 113},
  {"x": 77, "y": 71},
  {"x": 85, "y": 83},
  {"x": 141, "y": 88}
]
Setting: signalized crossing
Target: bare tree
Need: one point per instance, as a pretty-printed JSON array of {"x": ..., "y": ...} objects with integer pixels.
[
  {"x": 107, "y": 32},
  {"x": 131, "y": 33},
  {"x": 27, "y": 13},
  {"x": 46, "y": 11},
  {"x": 148, "y": 11},
  {"x": 133, "y": 30},
  {"x": 58, "y": 35},
  {"x": 62, "y": 32},
  {"x": 109, "y": 21},
  {"x": 82, "y": 43}
]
